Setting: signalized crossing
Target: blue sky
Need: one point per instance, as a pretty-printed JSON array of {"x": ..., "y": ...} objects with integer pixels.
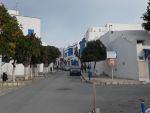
[{"x": 66, "y": 21}]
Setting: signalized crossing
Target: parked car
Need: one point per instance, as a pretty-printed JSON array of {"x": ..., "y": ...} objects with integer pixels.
[
  {"x": 66, "y": 68},
  {"x": 75, "y": 71}
]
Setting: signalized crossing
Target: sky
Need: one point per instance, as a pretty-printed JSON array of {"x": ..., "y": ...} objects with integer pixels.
[{"x": 64, "y": 22}]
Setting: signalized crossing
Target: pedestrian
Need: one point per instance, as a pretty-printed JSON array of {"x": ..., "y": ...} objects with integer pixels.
[
  {"x": 89, "y": 71},
  {"x": 82, "y": 67},
  {"x": 57, "y": 68},
  {"x": 4, "y": 77},
  {"x": 85, "y": 67},
  {"x": 51, "y": 69}
]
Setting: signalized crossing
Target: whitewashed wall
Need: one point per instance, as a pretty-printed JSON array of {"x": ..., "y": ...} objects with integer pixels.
[
  {"x": 125, "y": 44},
  {"x": 30, "y": 23},
  {"x": 126, "y": 62},
  {"x": 99, "y": 69},
  {"x": 94, "y": 33}
]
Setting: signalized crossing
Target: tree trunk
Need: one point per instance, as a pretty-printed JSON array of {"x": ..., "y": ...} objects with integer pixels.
[
  {"x": 13, "y": 72},
  {"x": 31, "y": 71},
  {"x": 44, "y": 70},
  {"x": 36, "y": 71},
  {"x": 26, "y": 75},
  {"x": 45, "y": 67}
]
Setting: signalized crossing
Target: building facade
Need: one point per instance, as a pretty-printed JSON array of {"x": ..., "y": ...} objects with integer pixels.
[
  {"x": 95, "y": 33},
  {"x": 69, "y": 55},
  {"x": 27, "y": 24},
  {"x": 133, "y": 54}
]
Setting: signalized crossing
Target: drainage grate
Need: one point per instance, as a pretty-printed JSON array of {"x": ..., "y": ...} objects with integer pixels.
[{"x": 64, "y": 89}]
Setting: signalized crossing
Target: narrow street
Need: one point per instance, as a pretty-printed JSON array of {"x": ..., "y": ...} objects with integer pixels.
[{"x": 60, "y": 93}]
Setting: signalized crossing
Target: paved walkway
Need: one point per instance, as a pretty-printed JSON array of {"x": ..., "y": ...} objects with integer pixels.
[
  {"x": 105, "y": 80},
  {"x": 9, "y": 86}
]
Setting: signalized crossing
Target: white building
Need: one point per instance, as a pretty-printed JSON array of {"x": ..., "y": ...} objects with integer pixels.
[
  {"x": 27, "y": 24},
  {"x": 95, "y": 33},
  {"x": 133, "y": 54},
  {"x": 60, "y": 60},
  {"x": 69, "y": 55}
]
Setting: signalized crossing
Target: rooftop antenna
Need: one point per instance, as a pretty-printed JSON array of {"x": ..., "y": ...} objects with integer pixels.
[
  {"x": 17, "y": 3},
  {"x": 1, "y": 2}
]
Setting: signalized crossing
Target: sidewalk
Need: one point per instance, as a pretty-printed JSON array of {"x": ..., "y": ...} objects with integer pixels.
[
  {"x": 9, "y": 86},
  {"x": 105, "y": 80}
]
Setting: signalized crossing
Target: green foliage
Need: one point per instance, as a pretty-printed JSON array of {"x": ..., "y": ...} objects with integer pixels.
[
  {"x": 23, "y": 49},
  {"x": 77, "y": 54},
  {"x": 28, "y": 50},
  {"x": 146, "y": 18},
  {"x": 9, "y": 31},
  {"x": 44, "y": 55},
  {"x": 95, "y": 51},
  {"x": 49, "y": 54}
]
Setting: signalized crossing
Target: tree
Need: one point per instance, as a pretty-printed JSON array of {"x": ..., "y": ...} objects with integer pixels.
[
  {"x": 44, "y": 55},
  {"x": 146, "y": 18},
  {"x": 53, "y": 54},
  {"x": 28, "y": 51},
  {"x": 49, "y": 54},
  {"x": 94, "y": 51},
  {"x": 9, "y": 32}
]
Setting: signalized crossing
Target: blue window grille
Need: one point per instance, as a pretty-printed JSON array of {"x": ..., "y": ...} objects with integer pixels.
[{"x": 30, "y": 31}]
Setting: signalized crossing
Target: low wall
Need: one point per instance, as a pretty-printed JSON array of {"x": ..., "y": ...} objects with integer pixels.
[{"x": 20, "y": 70}]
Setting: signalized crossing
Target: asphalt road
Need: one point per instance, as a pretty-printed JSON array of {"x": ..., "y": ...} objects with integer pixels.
[{"x": 60, "y": 93}]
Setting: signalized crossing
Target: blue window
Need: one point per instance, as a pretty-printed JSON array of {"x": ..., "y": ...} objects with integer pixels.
[
  {"x": 82, "y": 45},
  {"x": 70, "y": 51},
  {"x": 65, "y": 54},
  {"x": 30, "y": 31}
]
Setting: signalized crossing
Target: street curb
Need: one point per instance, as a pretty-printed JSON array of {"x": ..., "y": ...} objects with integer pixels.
[
  {"x": 20, "y": 83},
  {"x": 110, "y": 82}
]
